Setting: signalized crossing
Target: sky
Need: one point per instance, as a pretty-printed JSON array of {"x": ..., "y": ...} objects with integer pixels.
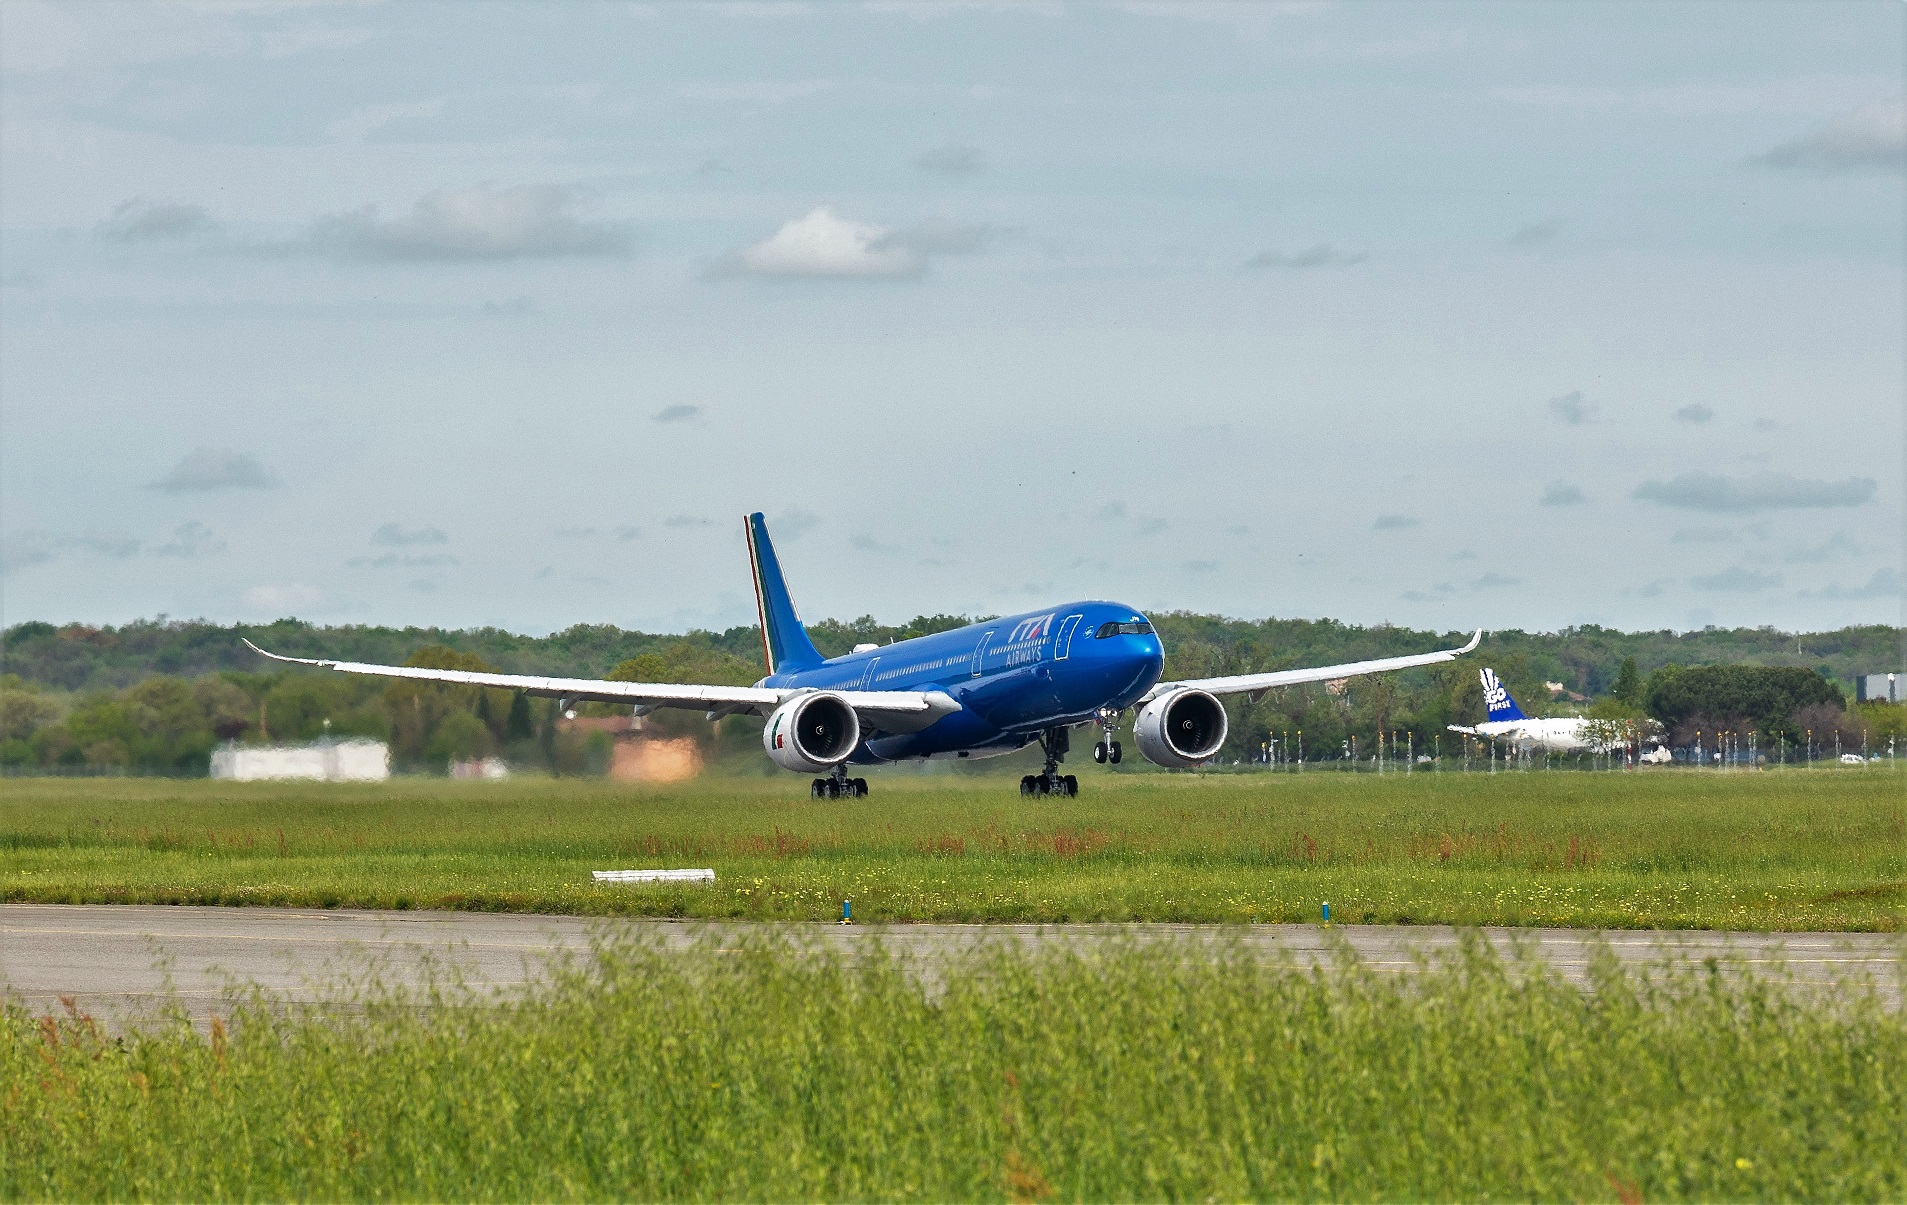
[{"x": 1511, "y": 316}]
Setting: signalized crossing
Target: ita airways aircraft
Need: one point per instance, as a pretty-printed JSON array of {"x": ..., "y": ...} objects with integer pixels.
[
  {"x": 978, "y": 691},
  {"x": 1505, "y": 721}
]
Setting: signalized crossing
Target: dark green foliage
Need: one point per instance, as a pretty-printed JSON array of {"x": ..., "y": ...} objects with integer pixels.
[
  {"x": 1766, "y": 697},
  {"x": 769, "y": 1073},
  {"x": 1628, "y": 685}
]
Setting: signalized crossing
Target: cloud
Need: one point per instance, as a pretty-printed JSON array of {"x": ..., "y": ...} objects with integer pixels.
[
  {"x": 23, "y": 549},
  {"x": 393, "y": 535},
  {"x": 1574, "y": 409},
  {"x": 1494, "y": 581},
  {"x": 952, "y": 160},
  {"x": 1535, "y": 234},
  {"x": 190, "y": 540},
  {"x": 284, "y": 599},
  {"x": 139, "y": 219},
  {"x": 1886, "y": 583},
  {"x": 1738, "y": 579},
  {"x": 1833, "y": 548},
  {"x": 1561, "y": 493},
  {"x": 626, "y": 533},
  {"x": 514, "y": 307},
  {"x": 867, "y": 543},
  {"x": 793, "y": 524},
  {"x": 1464, "y": 554},
  {"x": 677, "y": 413},
  {"x": 1873, "y": 138},
  {"x": 823, "y": 244},
  {"x": 1200, "y": 566},
  {"x": 577, "y": 533},
  {"x": 391, "y": 560},
  {"x": 687, "y": 521},
  {"x": 1703, "y": 535},
  {"x": 1320, "y": 256},
  {"x": 216, "y": 469},
  {"x": 770, "y": 92},
  {"x": 1138, "y": 525},
  {"x": 473, "y": 224},
  {"x": 1764, "y": 491},
  {"x": 1694, "y": 413},
  {"x": 1393, "y": 522}
]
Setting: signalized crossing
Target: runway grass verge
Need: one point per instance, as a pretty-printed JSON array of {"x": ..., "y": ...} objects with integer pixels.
[
  {"x": 1822, "y": 849},
  {"x": 762, "y": 1073}
]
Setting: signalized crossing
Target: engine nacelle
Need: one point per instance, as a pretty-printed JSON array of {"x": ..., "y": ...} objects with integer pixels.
[
  {"x": 811, "y": 733},
  {"x": 1181, "y": 729}
]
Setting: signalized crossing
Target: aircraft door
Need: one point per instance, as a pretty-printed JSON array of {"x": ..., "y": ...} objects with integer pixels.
[
  {"x": 979, "y": 652},
  {"x": 1063, "y": 643}
]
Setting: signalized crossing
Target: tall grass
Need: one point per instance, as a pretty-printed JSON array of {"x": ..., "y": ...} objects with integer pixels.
[
  {"x": 1774, "y": 850},
  {"x": 769, "y": 1073}
]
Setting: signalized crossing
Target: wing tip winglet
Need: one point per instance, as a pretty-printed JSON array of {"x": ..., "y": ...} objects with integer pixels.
[{"x": 1474, "y": 642}]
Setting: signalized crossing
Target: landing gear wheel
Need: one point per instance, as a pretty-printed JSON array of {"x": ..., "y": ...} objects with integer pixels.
[
  {"x": 860, "y": 787},
  {"x": 1101, "y": 753},
  {"x": 1069, "y": 785},
  {"x": 1114, "y": 758},
  {"x": 818, "y": 789},
  {"x": 1029, "y": 785}
]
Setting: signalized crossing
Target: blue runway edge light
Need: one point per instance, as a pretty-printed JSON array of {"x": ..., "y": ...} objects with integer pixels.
[
  {"x": 847, "y": 911},
  {"x": 1327, "y": 914}
]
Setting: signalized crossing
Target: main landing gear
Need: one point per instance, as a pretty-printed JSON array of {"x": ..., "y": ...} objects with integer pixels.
[
  {"x": 838, "y": 786},
  {"x": 1050, "y": 781}
]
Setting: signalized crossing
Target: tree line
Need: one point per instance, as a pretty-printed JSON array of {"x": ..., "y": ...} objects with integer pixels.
[{"x": 159, "y": 696}]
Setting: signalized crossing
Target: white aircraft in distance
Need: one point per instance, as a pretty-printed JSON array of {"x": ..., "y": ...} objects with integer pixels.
[{"x": 1505, "y": 721}]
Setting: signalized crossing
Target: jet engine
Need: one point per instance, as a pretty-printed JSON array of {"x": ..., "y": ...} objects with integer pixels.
[
  {"x": 1181, "y": 729},
  {"x": 811, "y": 733}
]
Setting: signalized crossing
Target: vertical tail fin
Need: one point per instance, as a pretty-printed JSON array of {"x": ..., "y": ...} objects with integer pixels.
[
  {"x": 1496, "y": 699},
  {"x": 784, "y": 641}
]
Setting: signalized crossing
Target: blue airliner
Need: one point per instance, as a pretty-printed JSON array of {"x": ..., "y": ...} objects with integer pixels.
[{"x": 979, "y": 691}]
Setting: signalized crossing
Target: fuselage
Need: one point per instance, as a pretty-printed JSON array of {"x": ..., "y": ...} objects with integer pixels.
[
  {"x": 1562, "y": 734},
  {"x": 1013, "y": 677}
]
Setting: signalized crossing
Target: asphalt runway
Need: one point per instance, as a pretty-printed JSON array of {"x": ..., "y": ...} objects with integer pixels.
[{"x": 121, "y": 962}]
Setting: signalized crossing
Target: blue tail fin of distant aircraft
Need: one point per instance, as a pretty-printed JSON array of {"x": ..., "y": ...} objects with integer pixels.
[
  {"x": 1497, "y": 700},
  {"x": 784, "y": 641}
]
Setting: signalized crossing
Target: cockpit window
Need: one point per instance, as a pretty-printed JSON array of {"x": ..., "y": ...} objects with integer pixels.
[{"x": 1137, "y": 627}]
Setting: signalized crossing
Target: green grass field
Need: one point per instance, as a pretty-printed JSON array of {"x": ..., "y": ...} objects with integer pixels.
[
  {"x": 1814, "y": 849},
  {"x": 763, "y": 1074}
]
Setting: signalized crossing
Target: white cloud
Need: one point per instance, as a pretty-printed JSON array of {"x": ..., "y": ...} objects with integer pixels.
[
  {"x": 793, "y": 524},
  {"x": 1562, "y": 493},
  {"x": 216, "y": 469},
  {"x": 1393, "y": 523},
  {"x": 1764, "y": 491},
  {"x": 1694, "y": 413},
  {"x": 824, "y": 245},
  {"x": 481, "y": 223},
  {"x": 681, "y": 412},
  {"x": 1871, "y": 138},
  {"x": 1535, "y": 234}
]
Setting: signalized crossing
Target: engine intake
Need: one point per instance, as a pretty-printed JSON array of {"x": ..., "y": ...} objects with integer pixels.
[
  {"x": 811, "y": 733},
  {"x": 1181, "y": 729}
]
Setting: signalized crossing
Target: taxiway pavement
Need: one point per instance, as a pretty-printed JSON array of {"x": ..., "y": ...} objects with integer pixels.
[{"x": 120, "y": 962}]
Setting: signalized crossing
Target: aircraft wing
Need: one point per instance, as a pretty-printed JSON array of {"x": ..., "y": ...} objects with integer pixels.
[
  {"x": 1254, "y": 683},
  {"x": 889, "y": 710}
]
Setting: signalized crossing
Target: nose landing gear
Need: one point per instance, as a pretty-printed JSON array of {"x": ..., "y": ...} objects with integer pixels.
[{"x": 1107, "y": 750}]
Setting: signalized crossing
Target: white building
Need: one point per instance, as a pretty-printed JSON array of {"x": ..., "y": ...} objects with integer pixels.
[{"x": 320, "y": 761}]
